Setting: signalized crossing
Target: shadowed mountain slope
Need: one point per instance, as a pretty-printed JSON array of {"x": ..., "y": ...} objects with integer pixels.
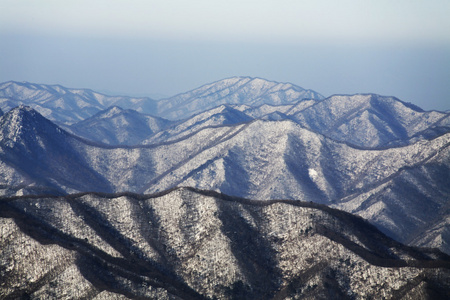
[
  {"x": 192, "y": 244},
  {"x": 117, "y": 126},
  {"x": 34, "y": 152},
  {"x": 218, "y": 116}
]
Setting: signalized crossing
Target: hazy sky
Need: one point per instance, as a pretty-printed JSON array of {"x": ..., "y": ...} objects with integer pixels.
[{"x": 399, "y": 48}]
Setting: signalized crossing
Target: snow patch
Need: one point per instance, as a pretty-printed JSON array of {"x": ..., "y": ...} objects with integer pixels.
[{"x": 313, "y": 174}]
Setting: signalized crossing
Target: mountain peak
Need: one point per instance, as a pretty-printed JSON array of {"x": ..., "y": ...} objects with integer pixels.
[
  {"x": 23, "y": 122},
  {"x": 23, "y": 113},
  {"x": 110, "y": 112},
  {"x": 233, "y": 91},
  {"x": 253, "y": 82},
  {"x": 367, "y": 120}
]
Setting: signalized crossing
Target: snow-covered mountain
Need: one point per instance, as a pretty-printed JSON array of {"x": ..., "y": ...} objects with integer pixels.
[
  {"x": 369, "y": 120},
  {"x": 373, "y": 156},
  {"x": 38, "y": 156},
  {"x": 221, "y": 115},
  {"x": 436, "y": 234},
  {"x": 117, "y": 126},
  {"x": 365, "y": 120},
  {"x": 236, "y": 90},
  {"x": 192, "y": 244},
  {"x": 261, "y": 111},
  {"x": 65, "y": 105},
  {"x": 400, "y": 189},
  {"x": 68, "y": 105}
]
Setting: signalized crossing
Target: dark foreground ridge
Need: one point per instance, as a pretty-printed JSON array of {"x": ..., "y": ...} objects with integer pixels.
[{"x": 186, "y": 243}]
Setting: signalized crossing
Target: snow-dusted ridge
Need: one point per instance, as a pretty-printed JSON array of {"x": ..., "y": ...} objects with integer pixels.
[
  {"x": 400, "y": 160},
  {"x": 257, "y": 160},
  {"x": 65, "y": 105},
  {"x": 369, "y": 120},
  {"x": 235, "y": 90},
  {"x": 117, "y": 126},
  {"x": 370, "y": 125},
  {"x": 195, "y": 244},
  {"x": 374, "y": 156},
  {"x": 215, "y": 117}
]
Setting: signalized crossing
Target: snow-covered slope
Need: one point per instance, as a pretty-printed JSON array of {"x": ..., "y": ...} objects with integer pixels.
[
  {"x": 272, "y": 160},
  {"x": 398, "y": 189},
  {"x": 366, "y": 120},
  {"x": 436, "y": 235},
  {"x": 260, "y": 111},
  {"x": 408, "y": 205},
  {"x": 222, "y": 115},
  {"x": 65, "y": 105},
  {"x": 370, "y": 120},
  {"x": 235, "y": 90},
  {"x": 190, "y": 244},
  {"x": 117, "y": 126},
  {"x": 37, "y": 155}
]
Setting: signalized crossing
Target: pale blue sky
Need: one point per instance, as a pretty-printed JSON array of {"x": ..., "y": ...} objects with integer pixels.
[{"x": 399, "y": 48}]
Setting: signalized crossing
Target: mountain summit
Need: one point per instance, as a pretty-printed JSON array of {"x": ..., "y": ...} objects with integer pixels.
[
  {"x": 37, "y": 154},
  {"x": 117, "y": 126},
  {"x": 236, "y": 90},
  {"x": 370, "y": 120}
]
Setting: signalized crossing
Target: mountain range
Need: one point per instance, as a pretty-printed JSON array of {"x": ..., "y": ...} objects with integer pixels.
[
  {"x": 65, "y": 105},
  {"x": 374, "y": 156},
  {"x": 68, "y": 106},
  {"x": 193, "y": 244}
]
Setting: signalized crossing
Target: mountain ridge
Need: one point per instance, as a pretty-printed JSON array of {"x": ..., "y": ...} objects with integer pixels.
[
  {"x": 380, "y": 121},
  {"x": 367, "y": 119},
  {"x": 237, "y": 248},
  {"x": 61, "y": 104},
  {"x": 245, "y": 199},
  {"x": 117, "y": 126},
  {"x": 51, "y": 99},
  {"x": 233, "y": 90},
  {"x": 259, "y": 160}
]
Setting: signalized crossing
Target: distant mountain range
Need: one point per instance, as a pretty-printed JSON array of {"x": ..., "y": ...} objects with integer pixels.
[
  {"x": 65, "y": 105},
  {"x": 374, "y": 156},
  {"x": 236, "y": 90}
]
